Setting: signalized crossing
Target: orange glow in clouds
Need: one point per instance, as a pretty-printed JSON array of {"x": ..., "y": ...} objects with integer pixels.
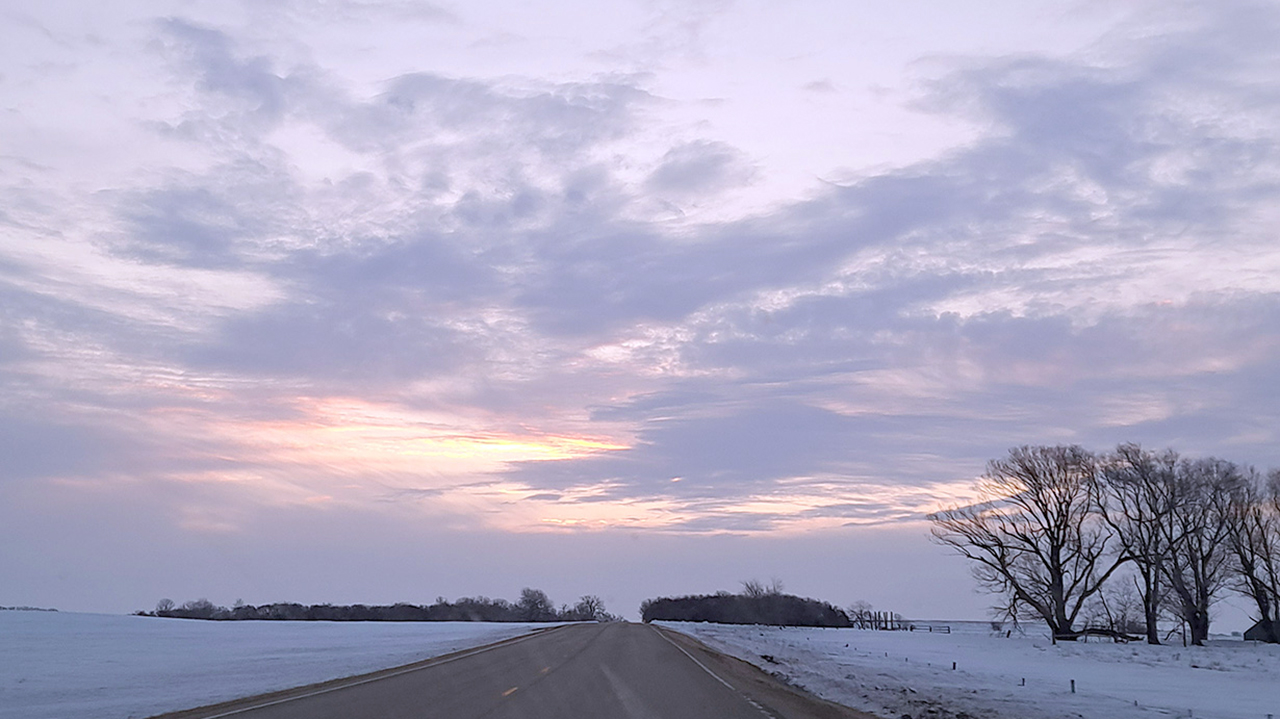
[
  {"x": 336, "y": 452},
  {"x": 332, "y": 452},
  {"x": 357, "y": 435}
]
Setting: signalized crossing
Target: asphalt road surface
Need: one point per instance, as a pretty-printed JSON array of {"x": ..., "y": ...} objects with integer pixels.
[{"x": 578, "y": 671}]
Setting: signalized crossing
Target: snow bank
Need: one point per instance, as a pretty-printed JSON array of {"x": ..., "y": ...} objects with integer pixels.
[
  {"x": 894, "y": 674},
  {"x": 65, "y": 666}
]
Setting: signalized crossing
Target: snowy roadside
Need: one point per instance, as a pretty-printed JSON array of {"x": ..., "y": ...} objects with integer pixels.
[
  {"x": 67, "y": 666},
  {"x": 895, "y": 674}
]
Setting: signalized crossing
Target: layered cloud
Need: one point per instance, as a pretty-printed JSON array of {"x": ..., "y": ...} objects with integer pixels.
[{"x": 505, "y": 303}]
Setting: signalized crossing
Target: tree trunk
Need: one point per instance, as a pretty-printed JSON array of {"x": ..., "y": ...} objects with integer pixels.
[
  {"x": 1063, "y": 630},
  {"x": 1151, "y": 601},
  {"x": 1271, "y": 631},
  {"x": 1198, "y": 623},
  {"x": 1151, "y": 613}
]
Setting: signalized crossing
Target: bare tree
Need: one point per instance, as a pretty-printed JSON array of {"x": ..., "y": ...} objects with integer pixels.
[
  {"x": 1136, "y": 500},
  {"x": 1199, "y": 531},
  {"x": 589, "y": 608},
  {"x": 164, "y": 605},
  {"x": 860, "y": 613},
  {"x": 1116, "y": 610},
  {"x": 200, "y": 608},
  {"x": 756, "y": 588},
  {"x": 535, "y": 606},
  {"x": 1255, "y": 541},
  {"x": 1035, "y": 537}
]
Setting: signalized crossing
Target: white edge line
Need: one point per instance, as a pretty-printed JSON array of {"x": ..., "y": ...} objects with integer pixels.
[
  {"x": 368, "y": 680},
  {"x": 715, "y": 676}
]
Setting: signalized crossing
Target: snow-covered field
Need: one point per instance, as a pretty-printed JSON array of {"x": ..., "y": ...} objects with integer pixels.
[
  {"x": 58, "y": 665},
  {"x": 893, "y": 674}
]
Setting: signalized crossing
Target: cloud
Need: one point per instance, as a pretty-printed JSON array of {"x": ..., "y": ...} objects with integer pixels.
[
  {"x": 369, "y": 12},
  {"x": 673, "y": 32},
  {"x": 256, "y": 93},
  {"x": 258, "y": 289},
  {"x": 1053, "y": 282},
  {"x": 1097, "y": 266},
  {"x": 820, "y": 86},
  {"x": 698, "y": 168}
]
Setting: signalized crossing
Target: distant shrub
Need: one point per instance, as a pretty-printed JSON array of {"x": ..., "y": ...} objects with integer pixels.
[
  {"x": 534, "y": 606},
  {"x": 723, "y": 608}
]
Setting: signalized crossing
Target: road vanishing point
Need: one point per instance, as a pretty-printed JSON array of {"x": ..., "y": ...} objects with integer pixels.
[{"x": 577, "y": 671}]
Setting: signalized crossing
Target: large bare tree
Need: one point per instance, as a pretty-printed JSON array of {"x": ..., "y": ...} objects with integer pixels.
[
  {"x": 1200, "y": 560},
  {"x": 1255, "y": 540},
  {"x": 1035, "y": 537},
  {"x": 1137, "y": 500}
]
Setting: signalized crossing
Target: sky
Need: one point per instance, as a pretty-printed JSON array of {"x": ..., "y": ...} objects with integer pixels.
[{"x": 376, "y": 301}]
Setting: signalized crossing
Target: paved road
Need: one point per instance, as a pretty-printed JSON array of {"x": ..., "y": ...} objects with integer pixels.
[{"x": 587, "y": 671}]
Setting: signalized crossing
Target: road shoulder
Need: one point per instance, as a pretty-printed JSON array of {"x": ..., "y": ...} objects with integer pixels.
[{"x": 775, "y": 696}]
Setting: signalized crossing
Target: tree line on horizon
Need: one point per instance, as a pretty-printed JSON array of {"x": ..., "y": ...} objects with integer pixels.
[
  {"x": 756, "y": 604},
  {"x": 1120, "y": 541},
  {"x": 533, "y": 606}
]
